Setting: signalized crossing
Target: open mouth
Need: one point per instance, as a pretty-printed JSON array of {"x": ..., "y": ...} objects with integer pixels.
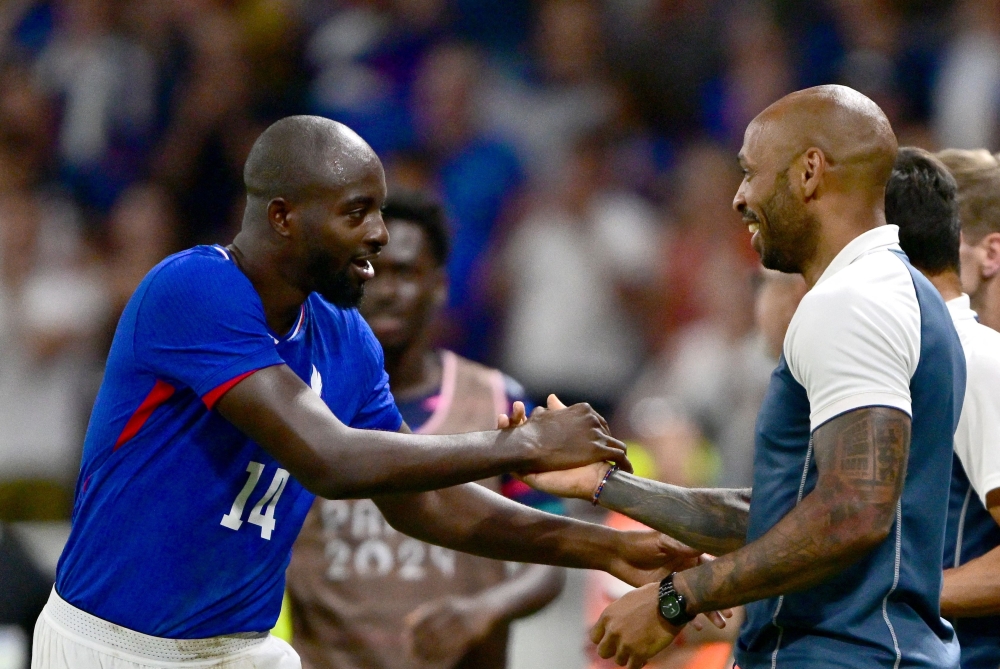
[
  {"x": 363, "y": 266},
  {"x": 753, "y": 227}
]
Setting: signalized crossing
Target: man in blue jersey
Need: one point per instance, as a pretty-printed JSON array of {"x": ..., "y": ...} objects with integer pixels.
[
  {"x": 240, "y": 384},
  {"x": 837, "y": 550},
  {"x": 920, "y": 199}
]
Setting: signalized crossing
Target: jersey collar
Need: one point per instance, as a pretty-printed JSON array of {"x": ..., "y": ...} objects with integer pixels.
[
  {"x": 960, "y": 309},
  {"x": 882, "y": 238}
]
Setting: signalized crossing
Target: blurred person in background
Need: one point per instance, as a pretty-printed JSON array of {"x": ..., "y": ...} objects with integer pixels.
[
  {"x": 978, "y": 176},
  {"x": 565, "y": 93},
  {"x": 706, "y": 390},
  {"x": 105, "y": 82},
  {"x": 920, "y": 199},
  {"x": 967, "y": 93},
  {"x": 364, "y": 595},
  {"x": 565, "y": 274},
  {"x": 52, "y": 301},
  {"x": 476, "y": 176}
]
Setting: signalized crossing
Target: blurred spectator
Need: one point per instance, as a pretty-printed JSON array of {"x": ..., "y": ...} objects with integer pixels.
[
  {"x": 566, "y": 94},
  {"x": 967, "y": 96},
  {"x": 475, "y": 175},
  {"x": 567, "y": 267},
  {"x": 711, "y": 383},
  {"x": 707, "y": 234},
  {"x": 105, "y": 82}
]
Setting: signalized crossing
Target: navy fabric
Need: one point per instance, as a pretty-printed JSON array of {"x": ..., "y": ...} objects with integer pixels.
[
  {"x": 970, "y": 522},
  {"x": 150, "y": 548},
  {"x": 852, "y": 620}
]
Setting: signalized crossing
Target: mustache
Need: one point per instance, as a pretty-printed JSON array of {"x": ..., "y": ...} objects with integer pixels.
[{"x": 750, "y": 217}]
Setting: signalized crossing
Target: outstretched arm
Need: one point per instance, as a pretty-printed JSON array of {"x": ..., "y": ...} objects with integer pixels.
[
  {"x": 278, "y": 411},
  {"x": 475, "y": 520},
  {"x": 973, "y": 589},
  {"x": 861, "y": 459}
]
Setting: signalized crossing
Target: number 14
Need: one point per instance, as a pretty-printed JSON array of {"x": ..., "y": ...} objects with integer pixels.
[{"x": 262, "y": 513}]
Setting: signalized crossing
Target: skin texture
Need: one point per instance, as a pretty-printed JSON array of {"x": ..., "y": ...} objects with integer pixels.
[
  {"x": 408, "y": 291},
  {"x": 815, "y": 166},
  {"x": 315, "y": 190}
]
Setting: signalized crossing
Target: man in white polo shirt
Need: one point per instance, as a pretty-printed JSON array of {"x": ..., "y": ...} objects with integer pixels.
[
  {"x": 838, "y": 561},
  {"x": 920, "y": 199}
]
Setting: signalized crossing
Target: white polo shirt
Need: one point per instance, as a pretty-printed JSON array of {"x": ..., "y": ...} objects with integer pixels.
[
  {"x": 855, "y": 339},
  {"x": 977, "y": 440}
]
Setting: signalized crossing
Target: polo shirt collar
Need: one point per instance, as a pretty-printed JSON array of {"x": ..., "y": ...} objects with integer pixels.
[
  {"x": 884, "y": 237},
  {"x": 960, "y": 308}
]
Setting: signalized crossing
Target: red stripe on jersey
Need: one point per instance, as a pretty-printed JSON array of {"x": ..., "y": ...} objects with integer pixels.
[
  {"x": 214, "y": 395},
  {"x": 160, "y": 393},
  {"x": 513, "y": 488}
]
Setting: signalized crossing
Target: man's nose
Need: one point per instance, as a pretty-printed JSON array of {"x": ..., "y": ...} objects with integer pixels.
[
  {"x": 739, "y": 201},
  {"x": 378, "y": 234}
]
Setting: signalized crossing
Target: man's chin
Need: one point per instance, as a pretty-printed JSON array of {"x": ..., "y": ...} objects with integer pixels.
[{"x": 344, "y": 297}]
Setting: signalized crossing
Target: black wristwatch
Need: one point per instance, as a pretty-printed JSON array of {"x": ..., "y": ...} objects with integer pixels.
[{"x": 672, "y": 604}]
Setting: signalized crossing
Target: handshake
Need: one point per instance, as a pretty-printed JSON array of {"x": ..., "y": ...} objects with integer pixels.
[{"x": 629, "y": 630}]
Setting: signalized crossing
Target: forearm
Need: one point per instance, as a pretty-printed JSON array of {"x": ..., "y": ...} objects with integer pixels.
[
  {"x": 532, "y": 588},
  {"x": 711, "y": 520},
  {"x": 472, "y": 519},
  {"x": 815, "y": 541},
  {"x": 973, "y": 589}
]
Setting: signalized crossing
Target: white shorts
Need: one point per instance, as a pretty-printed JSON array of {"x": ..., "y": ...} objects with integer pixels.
[{"x": 68, "y": 638}]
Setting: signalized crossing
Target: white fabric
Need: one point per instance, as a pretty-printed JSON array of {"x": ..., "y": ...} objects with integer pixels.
[
  {"x": 68, "y": 638},
  {"x": 977, "y": 439},
  {"x": 855, "y": 339}
]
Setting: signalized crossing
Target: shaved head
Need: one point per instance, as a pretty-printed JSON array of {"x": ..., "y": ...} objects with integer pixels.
[
  {"x": 815, "y": 167},
  {"x": 849, "y": 128},
  {"x": 301, "y": 154}
]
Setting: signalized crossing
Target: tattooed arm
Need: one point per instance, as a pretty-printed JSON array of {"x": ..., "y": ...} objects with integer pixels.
[
  {"x": 712, "y": 520},
  {"x": 861, "y": 460}
]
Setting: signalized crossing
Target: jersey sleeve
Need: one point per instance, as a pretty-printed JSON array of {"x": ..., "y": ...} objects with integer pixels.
[
  {"x": 977, "y": 440},
  {"x": 378, "y": 411},
  {"x": 853, "y": 347},
  {"x": 200, "y": 324}
]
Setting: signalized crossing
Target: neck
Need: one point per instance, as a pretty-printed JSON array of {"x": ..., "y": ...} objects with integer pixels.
[
  {"x": 282, "y": 300},
  {"x": 836, "y": 233},
  {"x": 413, "y": 370},
  {"x": 948, "y": 283},
  {"x": 986, "y": 303}
]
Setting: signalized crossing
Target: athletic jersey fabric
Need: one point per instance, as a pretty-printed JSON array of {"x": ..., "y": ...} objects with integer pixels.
[
  {"x": 972, "y": 531},
  {"x": 182, "y": 525},
  {"x": 872, "y": 332}
]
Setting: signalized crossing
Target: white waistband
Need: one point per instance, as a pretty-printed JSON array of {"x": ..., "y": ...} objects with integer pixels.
[{"x": 100, "y": 631}]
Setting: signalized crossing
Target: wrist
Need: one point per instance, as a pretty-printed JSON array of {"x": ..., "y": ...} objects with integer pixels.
[
  {"x": 683, "y": 588},
  {"x": 602, "y": 475},
  {"x": 484, "y": 612},
  {"x": 672, "y": 605}
]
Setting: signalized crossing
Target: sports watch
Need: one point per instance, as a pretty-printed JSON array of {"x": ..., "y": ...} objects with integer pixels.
[{"x": 672, "y": 604}]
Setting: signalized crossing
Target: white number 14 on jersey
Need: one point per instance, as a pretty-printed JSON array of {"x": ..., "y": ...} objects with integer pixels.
[{"x": 262, "y": 513}]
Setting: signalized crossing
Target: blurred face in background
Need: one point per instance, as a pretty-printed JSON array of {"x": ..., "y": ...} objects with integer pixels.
[
  {"x": 777, "y": 299},
  {"x": 408, "y": 290},
  {"x": 784, "y": 233}
]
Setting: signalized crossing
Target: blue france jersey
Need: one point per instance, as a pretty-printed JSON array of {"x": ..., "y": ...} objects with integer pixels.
[{"x": 182, "y": 525}]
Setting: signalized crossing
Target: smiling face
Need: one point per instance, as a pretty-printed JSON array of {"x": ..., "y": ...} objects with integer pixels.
[
  {"x": 342, "y": 232},
  {"x": 408, "y": 289},
  {"x": 785, "y": 234}
]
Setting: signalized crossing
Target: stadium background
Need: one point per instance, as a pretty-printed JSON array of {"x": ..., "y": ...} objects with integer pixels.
[{"x": 585, "y": 152}]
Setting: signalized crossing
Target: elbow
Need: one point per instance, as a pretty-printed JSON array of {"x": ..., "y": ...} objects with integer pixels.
[{"x": 867, "y": 531}]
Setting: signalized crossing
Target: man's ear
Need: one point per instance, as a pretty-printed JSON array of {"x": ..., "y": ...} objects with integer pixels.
[
  {"x": 813, "y": 165},
  {"x": 991, "y": 259},
  {"x": 277, "y": 216}
]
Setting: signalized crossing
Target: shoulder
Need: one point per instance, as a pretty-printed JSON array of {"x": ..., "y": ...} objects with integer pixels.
[
  {"x": 982, "y": 353},
  {"x": 196, "y": 270}
]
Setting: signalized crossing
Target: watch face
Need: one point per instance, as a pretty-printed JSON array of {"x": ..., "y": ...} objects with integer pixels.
[{"x": 670, "y": 608}]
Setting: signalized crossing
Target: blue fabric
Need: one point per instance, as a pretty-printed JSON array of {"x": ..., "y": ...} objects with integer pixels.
[
  {"x": 842, "y": 623},
  {"x": 148, "y": 550},
  {"x": 979, "y": 637}
]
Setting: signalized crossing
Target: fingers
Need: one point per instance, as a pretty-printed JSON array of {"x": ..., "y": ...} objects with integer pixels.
[
  {"x": 517, "y": 414},
  {"x": 554, "y": 402},
  {"x": 503, "y": 422},
  {"x": 717, "y": 619},
  {"x": 616, "y": 455},
  {"x": 597, "y": 633}
]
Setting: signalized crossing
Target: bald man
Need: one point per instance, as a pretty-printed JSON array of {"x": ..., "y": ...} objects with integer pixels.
[
  {"x": 240, "y": 384},
  {"x": 836, "y": 559}
]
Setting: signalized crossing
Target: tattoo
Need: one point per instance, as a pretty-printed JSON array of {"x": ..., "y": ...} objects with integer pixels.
[
  {"x": 710, "y": 520},
  {"x": 861, "y": 459}
]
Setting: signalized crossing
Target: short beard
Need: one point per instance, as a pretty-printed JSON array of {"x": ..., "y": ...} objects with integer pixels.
[
  {"x": 793, "y": 234},
  {"x": 337, "y": 288}
]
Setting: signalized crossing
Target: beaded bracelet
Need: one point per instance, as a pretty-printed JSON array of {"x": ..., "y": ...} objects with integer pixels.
[{"x": 600, "y": 488}]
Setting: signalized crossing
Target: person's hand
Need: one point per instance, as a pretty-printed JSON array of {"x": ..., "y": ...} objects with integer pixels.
[
  {"x": 631, "y": 631},
  {"x": 565, "y": 439},
  {"x": 444, "y": 630}
]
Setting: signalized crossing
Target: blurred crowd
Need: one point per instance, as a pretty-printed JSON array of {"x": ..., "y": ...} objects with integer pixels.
[{"x": 584, "y": 149}]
